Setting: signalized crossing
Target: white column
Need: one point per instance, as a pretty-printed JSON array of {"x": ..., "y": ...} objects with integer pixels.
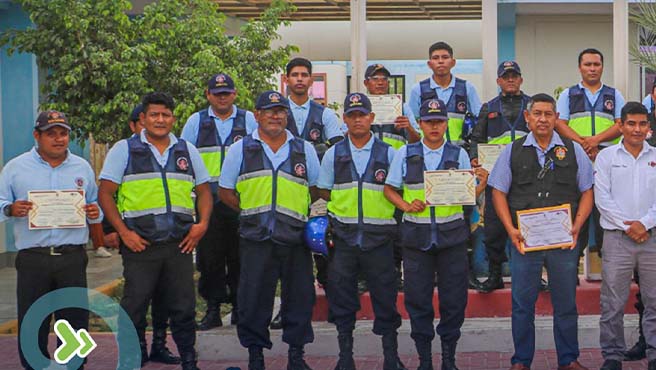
[
  {"x": 621, "y": 46},
  {"x": 358, "y": 44},
  {"x": 489, "y": 52}
]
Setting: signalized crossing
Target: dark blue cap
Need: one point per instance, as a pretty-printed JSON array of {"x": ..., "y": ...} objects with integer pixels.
[
  {"x": 357, "y": 102},
  {"x": 433, "y": 109},
  {"x": 374, "y": 68},
  {"x": 220, "y": 83},
  {"x": 507, "y": 66},
  {"x": 134, "y": 116},
  {"x": 270, "y": 99},
  {"x": 51, "y": 118}
]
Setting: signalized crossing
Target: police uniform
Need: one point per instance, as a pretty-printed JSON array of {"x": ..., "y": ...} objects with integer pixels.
[
  {"x": 501, "y": 121},
  {"x": 533, "y": 178},
  {"x": 363, "y": 232},
  {"x": 217, "y": 255},
  {"x": 460, "y": 98},
  {"x": 274, "y": 198},
  {"x": 160, "y": 210},
  {"x": 590, "y": 114},
  {"x": 47, "y": 260}
]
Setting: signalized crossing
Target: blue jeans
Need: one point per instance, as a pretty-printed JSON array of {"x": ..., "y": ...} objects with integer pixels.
[{"x": 526, "y": 271}]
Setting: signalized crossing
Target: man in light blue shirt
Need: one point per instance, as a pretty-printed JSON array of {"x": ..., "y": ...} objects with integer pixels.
[
  {"x": 648, "y": 101},
  {"x": 51, "y": 258},
  {"x": 307, "y": 119},
  {"x": 460, "y": 96},
  {"x": 154, "y": 174},
  {"x": 270, "y": 177},
  {"x": 213, "y": 131}
]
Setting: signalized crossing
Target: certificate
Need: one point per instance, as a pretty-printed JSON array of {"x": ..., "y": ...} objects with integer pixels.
[
  {"x": 386, "y": 108},
  {"x": 450, "y": 188},
  {"x": 488, "y": 155},
  {"x": 57, "y": 209},
  {"x": 546, "y": 228}
]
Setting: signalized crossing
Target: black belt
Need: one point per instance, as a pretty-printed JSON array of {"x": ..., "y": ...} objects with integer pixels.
[{"x": 55, "y": 250}]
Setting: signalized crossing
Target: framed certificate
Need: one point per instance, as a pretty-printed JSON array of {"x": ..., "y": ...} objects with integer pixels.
[
  {"x": 546, "y": 228},
  {"x": 386, "y": 107},
  {"x": 488, "y": 155},
  {"x": 56, "y": 209},
  {"x": 450, "y": 188}
]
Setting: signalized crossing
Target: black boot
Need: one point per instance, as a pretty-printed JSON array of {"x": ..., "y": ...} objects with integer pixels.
[
  {"x": 276, "y": 323},
  {"x": 295, "y": 359},
  {"x": 188, "y": 360},
  {"x": 494, "y": 280},
  {"x": 425, "y": 352},
  {"x": 345, "y": 361},
  {"x": 144, "y": 351},
  {"x": 449, "y": 356},
  {"x": 473, "y": 281},
  {"x": 255, "y": 358},
  {"x": 212, "y": 317},
  {"x": 158, "y": 350},
  {"x": 391, "y": 353},
  {"x": 638, "y": 351}
]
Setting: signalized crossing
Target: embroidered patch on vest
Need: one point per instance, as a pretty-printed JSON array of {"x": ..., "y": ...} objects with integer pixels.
[
  {"x": 79, "y": 182},
  {"x": 609, "y": 104},
  {"x": 380, "y": 175},
  {"x": 315, "y": 134},
  {"x": 560, "y": 152},
  {"x": 492, "y": 115},
  {"x": 237, "y": 138},
  {"x": 461, "y": 107},
  {"x": 182, "y": 164},
  {"x": 299, "y": 169}
]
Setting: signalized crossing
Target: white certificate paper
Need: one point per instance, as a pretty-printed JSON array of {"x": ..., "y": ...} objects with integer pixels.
[
  {"x": 56, "y": 209},
  {"x": 488, "y": 155},
  {"x": 450, "y": 188},
  {"x": 546, "y": 228},
  {"x": 386, "y": 108}
]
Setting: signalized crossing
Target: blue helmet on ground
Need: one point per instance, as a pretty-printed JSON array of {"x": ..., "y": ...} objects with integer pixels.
[{"x": 315, "y": 234}]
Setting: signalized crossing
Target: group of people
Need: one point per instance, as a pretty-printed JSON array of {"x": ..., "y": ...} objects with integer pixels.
[{"x": 237, "y": 187}]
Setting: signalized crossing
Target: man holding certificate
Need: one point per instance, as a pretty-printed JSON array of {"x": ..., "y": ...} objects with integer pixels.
[
  {"x": 625, "y": 176},
  {"x": 51, "y": 195},
  {"x": 434, "y": 238},
  {"x": 154, "y": 174},
  {"x": 351, "y": 179},
  {"x": 500, "y": 122},
  {"x": 541, "y": 183}
]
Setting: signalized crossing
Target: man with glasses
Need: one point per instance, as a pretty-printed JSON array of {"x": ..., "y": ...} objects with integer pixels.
[
  {"x": 543, "y": 169},
  {"x": 501, "y": 121},
  {"x": 270, "y": 178},
  {"x": 213, "y": 130}
]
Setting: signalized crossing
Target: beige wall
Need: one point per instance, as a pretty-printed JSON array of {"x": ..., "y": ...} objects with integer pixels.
[{"x": 547, "y": 49}]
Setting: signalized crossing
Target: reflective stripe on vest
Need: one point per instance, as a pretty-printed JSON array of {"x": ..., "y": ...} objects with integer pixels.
[
  {"x": 267, "y": 190},
  {"x": 587, "y": 119},
  {"x": 313, "y": 129},
  {"x": 413, "y": 185},
  {"x": 211, "y": 150},
  {"x": 358, "y": 199},
  {"x": 390, "y": 135},
  {"x": 456, "y": 107},
  {"x": 506, "y": 137}
]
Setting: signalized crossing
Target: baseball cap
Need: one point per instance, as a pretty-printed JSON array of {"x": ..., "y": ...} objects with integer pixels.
[
  {"x": 270, "y": 99},
  {"x": 433, "y": 109},
  {"x": 508, "y": 65},
  {"x": 51, "y": 118},
  {"x": 220, "y": 83},
  {"x": 357, "y": 102},
  {"x": 372, "y": 69},
  {"x": 134, "y": 116}
]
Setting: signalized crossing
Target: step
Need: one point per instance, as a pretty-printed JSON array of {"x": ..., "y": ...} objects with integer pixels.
[
  {"x": 495, "y": 304},
  {"x": 478, "y": 334}
]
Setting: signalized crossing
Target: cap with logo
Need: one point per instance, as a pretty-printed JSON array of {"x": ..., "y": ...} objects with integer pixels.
[
  {"x": 357, "y": 102},
  {"x": 374, "y": 68},
  {"x": 433, "y": 109},
  {"x": 508, "y": 66},
  {"x": 51, "y": 118},
  {"x": 220, "y": 83},
  {"x": 270, "y": 99},
  {"x": 134, "y": 116}
]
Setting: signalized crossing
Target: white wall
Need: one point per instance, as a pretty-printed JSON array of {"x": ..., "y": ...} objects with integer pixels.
[{"x": 547, "y": 49}]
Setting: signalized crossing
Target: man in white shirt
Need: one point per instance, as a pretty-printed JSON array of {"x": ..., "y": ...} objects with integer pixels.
[{"x": 625, "y": 177}]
